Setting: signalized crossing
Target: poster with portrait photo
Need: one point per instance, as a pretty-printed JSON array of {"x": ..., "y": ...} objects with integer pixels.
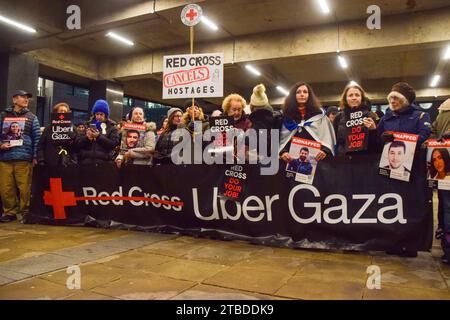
[
  {"x": 12, "y": 130},
  {"x": 397, "y": 158},
  {"x": 133, "y": 135},
  {"x": 438, "y": 162},
  {"x": 303, "y": 167}
]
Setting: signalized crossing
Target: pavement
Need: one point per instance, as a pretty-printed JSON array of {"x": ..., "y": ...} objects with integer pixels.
[{"x": 77, "y": 263}]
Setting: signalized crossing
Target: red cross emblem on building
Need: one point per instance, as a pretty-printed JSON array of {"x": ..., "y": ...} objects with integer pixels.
[{"x": 59, "y": 199}]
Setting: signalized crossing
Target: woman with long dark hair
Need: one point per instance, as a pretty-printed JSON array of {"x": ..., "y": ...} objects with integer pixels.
[
  {"x": 304, "y": 117},
  {"x": 439, "y": 160}
]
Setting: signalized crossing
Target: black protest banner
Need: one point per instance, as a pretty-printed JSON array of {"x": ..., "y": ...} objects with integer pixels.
[
  {"x": 61, "y": 127},
  {"x": 349, "y": 206},
  {"x": 357, "y": 135}
]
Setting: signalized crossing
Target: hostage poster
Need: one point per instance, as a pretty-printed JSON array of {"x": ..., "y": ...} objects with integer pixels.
[{"x": 438, "y": 163}]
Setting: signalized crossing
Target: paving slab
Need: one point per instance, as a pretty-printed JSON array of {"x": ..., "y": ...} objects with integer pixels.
[
  {"x": 39, "y": 264},
  {"x": 144, "y": 286},
  {"x": 334, "y": 269},
  {"x": 224, "y": 254},
  {"x": 398, "y": 293},
  {"x": 250, "y": 279},
  {"x": 319, "y": 288},
  {"x": 33, "y": 289},
  {"x": 137, "y": 240},
  {"x": 206, "y": 292},
  {"x": 134, "y": 260},
  {"x": 191, "y": 270},
  {"x": 87, "y": 295},
  {"x": 91, "y": 276},
  {"x": 88, "y": 252}
]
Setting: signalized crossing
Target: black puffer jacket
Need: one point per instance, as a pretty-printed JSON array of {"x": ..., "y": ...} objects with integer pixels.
[
  {"x": 51, "y": 153},
  {"x": 101, "y": 149}
]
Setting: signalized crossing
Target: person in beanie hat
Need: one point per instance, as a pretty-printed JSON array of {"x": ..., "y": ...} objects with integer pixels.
[
  {"x": 101, "y": 139},
  {"x": 259, "y": 98},
  {"x": 263, "y": 117},
  {"x": 403, "y": 115},
  {"x": 170, "y": 136}
]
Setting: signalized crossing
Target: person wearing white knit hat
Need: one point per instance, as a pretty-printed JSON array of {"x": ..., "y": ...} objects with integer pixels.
[
  {"x": 259, "y": 98},
  {"x": 263, "y": 117}
]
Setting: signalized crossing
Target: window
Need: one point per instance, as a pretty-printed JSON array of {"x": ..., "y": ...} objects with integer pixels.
[{"x": 80, "y": 92}]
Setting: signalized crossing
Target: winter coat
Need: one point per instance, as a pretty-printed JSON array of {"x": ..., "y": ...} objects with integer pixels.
[
  {"x": 53, "y": 154},
  {"x": 442, "y": 123},
  {"x": 99, "y": 150},
  {"x": 265, "y": 119},
  {"x": 30, "y": 136},
  {"x": 242, "y": 123},
  {"x": 165, "y": 143},
  {"x": 341, "y": 132},
  {"x": 411, "y": 120},
  {"x": 142, "y": 154}
]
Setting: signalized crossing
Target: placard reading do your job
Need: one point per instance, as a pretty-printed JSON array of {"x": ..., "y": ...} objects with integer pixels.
[{"x": 193, "y": 76}]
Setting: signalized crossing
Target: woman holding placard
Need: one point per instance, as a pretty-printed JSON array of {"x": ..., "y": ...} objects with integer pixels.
[
  {"x": 355, "y": 125},
  {"x": 304, "y": 117},
  {"x": 56, "y": 146}
]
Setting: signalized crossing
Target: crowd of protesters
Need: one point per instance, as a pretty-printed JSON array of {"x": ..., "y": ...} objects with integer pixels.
[{"x": 137, "y": 142}]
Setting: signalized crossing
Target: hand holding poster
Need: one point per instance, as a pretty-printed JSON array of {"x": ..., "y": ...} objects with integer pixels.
[
  {"x": 193, "y": 76},
  {"x": 304, "y": 166},
  {"x": 398, "y": 156},
  {"x": 357, "y": 135},
  {"x": 61, "y": 127},
  {"x": 438, "y": 161},
  {"x": 13, "y": 130}
]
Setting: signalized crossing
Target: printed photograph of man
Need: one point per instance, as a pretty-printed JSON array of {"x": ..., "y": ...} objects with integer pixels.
[
  {"x": 301, "y": 165},
  {"x": 132, "y": 139},
  {"x": 397, "y": 158}
]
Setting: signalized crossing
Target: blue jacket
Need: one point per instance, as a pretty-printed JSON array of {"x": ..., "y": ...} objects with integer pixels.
[
  {"x": 30, "y": 136},
  {"x": 412, "y": 120},
  {"x": 300, "y": 167}
]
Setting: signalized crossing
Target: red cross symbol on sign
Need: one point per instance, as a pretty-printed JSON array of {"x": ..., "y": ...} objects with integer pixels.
[
  {"x": 191, "y": 14},
  {"x": 61, "y": 117},
  {"x": 59, "y": 199}
]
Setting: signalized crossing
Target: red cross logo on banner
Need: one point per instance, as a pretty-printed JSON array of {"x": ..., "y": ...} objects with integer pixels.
[
  {"x": 59, "y": 199},
  {"x": 61, "y": 117}
]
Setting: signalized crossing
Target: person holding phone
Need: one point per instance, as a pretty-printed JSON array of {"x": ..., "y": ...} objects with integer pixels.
[{"x": 101, "y": 138}]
